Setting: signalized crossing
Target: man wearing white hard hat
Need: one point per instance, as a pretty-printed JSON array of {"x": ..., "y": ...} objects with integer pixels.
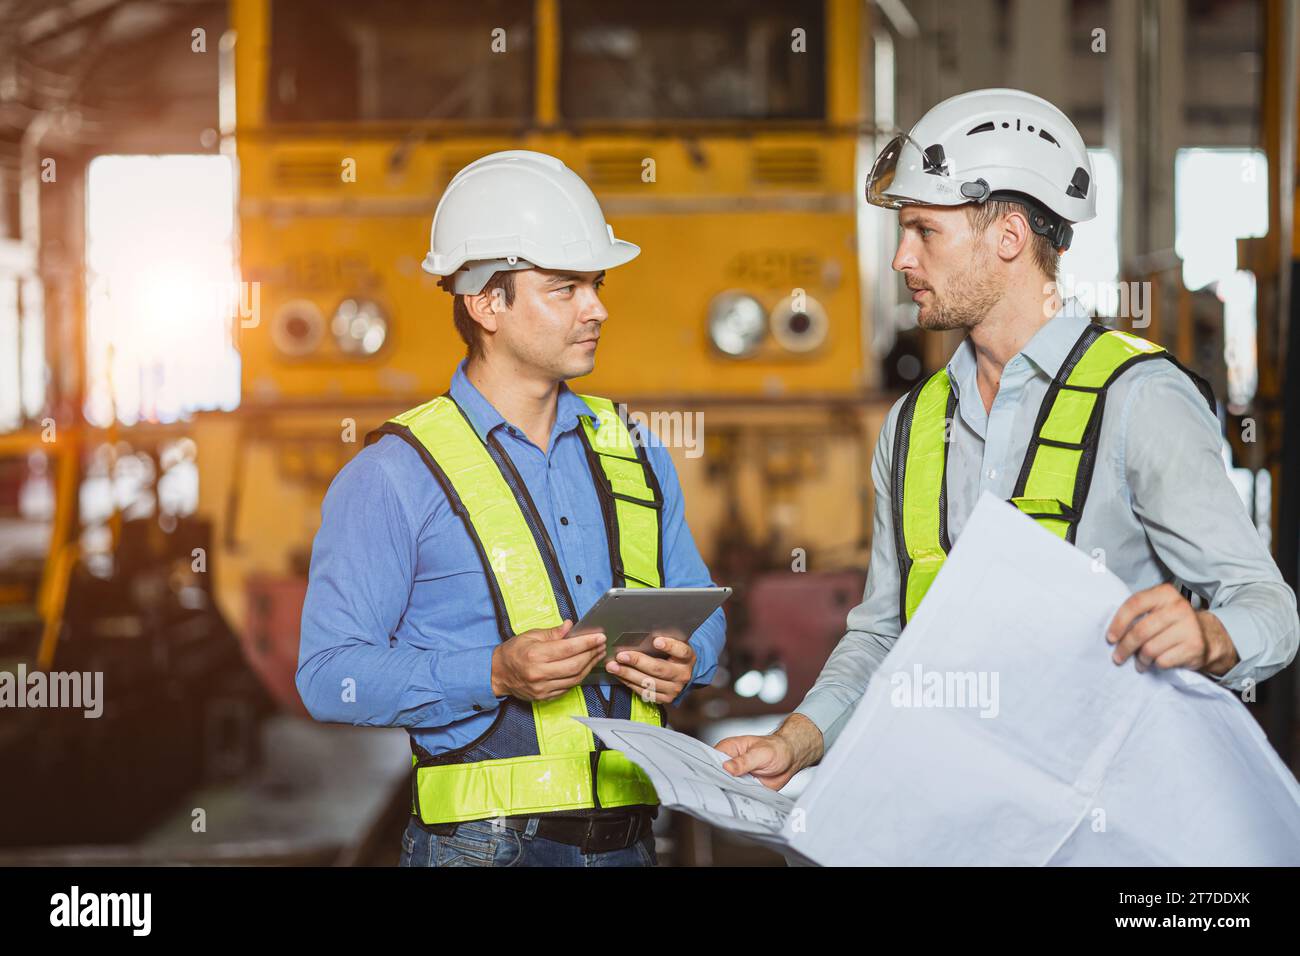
[
  {"x": 458, "y": 548},
  {"x": 1047, "y": 409}
]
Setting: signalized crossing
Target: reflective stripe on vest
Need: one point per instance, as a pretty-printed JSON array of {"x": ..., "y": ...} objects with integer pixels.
[
  {"x": 569, "y": 771},
  {"x": 632, "y": 502},
  {"x": 1057, "y": 471}
]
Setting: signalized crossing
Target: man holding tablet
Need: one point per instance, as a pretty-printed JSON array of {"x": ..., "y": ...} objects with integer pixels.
[{"x": 459, "y": 546}]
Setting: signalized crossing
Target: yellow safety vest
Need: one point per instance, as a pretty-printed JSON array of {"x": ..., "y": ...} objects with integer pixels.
[
  {"x": 534, "y": 758},
  {"x": 1057, "y": 470}
]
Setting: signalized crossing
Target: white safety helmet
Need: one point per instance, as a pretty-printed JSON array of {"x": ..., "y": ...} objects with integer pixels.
[
  {"x": 991, "y": 144},
  {"x": 519, "y": 209}
]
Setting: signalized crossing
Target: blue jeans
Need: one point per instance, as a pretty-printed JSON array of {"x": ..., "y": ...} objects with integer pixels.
[{"x": 478, "y": 844}]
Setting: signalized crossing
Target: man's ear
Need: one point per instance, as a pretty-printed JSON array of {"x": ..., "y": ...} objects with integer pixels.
[
  {"x": 484, "y": 307},
  {"x": 1014, "y": 235}
]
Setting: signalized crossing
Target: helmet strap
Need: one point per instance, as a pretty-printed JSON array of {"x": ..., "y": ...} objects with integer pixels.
[{"x": 1041, "y": 219}]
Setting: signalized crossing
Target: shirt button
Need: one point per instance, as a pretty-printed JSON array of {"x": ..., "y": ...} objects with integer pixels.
[
  {"x": 477, "y": 707},
  {"x": 993, "y": 472},
  {"x": 563, "y": 520},
  {"x": 578, "y": 578}
]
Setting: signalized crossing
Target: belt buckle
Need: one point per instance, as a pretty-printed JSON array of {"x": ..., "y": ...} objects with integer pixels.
[{"x": 605, "y": 835}]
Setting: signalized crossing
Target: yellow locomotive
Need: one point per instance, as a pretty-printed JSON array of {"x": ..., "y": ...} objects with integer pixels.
[{"x": 723, "y": 139}]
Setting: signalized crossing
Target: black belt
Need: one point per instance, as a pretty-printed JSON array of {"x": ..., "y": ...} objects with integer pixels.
[{"x": 597, "y": 833}]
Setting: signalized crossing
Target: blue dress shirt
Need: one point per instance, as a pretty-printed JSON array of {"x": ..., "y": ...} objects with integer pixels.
[{"x": 398, "y": 626}]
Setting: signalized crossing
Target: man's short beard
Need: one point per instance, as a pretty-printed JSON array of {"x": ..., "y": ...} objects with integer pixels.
[{"x": 971, "y": 294}]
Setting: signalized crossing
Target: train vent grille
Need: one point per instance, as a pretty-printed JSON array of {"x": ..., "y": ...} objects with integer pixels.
[
  {"x": 308, "y": 172},
  {"x": 786, "y": 166},
  {"x": 615, "y": 170}
]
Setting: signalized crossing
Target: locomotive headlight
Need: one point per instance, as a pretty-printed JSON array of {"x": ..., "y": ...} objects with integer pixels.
[
  {"x": 799, "y": 322},
  {"x": 297, "y": 327},
  {"x": 736, "y": 323},
  {"x": 359, "y": 326}
]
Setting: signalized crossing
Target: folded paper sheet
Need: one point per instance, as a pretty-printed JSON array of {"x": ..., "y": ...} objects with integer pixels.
[{"x": 999, "y": 732}]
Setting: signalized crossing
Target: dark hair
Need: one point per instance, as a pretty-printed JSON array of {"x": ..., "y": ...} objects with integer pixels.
[
  {"x": 470, "y": 330},
  {"x": 982, "y": 215}
]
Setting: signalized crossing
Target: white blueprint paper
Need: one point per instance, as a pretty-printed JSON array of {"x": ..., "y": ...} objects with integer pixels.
[
  {"x": 999, "y": 732},
  {"x": 687, "y": 774}
]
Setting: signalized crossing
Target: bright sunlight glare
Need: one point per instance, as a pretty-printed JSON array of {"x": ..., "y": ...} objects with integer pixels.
[{"x": 161, "y": 281}]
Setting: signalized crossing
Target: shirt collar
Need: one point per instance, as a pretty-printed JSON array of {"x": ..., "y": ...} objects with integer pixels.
[
  {"x": 482, "y": 414},
  {"x": 1047, "y": 349}
]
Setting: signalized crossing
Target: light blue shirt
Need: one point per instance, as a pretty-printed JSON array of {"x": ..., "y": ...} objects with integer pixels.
[
  {"x": 1161, "y": 508},
  {"x": 398, "y": 626}
]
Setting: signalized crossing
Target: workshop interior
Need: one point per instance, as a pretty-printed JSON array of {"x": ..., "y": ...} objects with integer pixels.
[{"x": 213, "y": 218}]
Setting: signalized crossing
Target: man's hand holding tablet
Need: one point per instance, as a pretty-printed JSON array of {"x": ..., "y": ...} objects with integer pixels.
[
  {"x": 656, "y": 679},
  {"x": 647, "y": 646}
]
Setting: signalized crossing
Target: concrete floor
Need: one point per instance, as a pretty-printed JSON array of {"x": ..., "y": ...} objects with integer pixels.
[{"x": 318, "y": 788}]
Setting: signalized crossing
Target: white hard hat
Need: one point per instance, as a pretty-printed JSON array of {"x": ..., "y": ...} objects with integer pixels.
[
  {"x": 991, "y": 144},
  {"x": 519, "y": 209}
]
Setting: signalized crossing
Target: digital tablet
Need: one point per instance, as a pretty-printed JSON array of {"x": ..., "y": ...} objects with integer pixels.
[{"x": 628, "y": 616}]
